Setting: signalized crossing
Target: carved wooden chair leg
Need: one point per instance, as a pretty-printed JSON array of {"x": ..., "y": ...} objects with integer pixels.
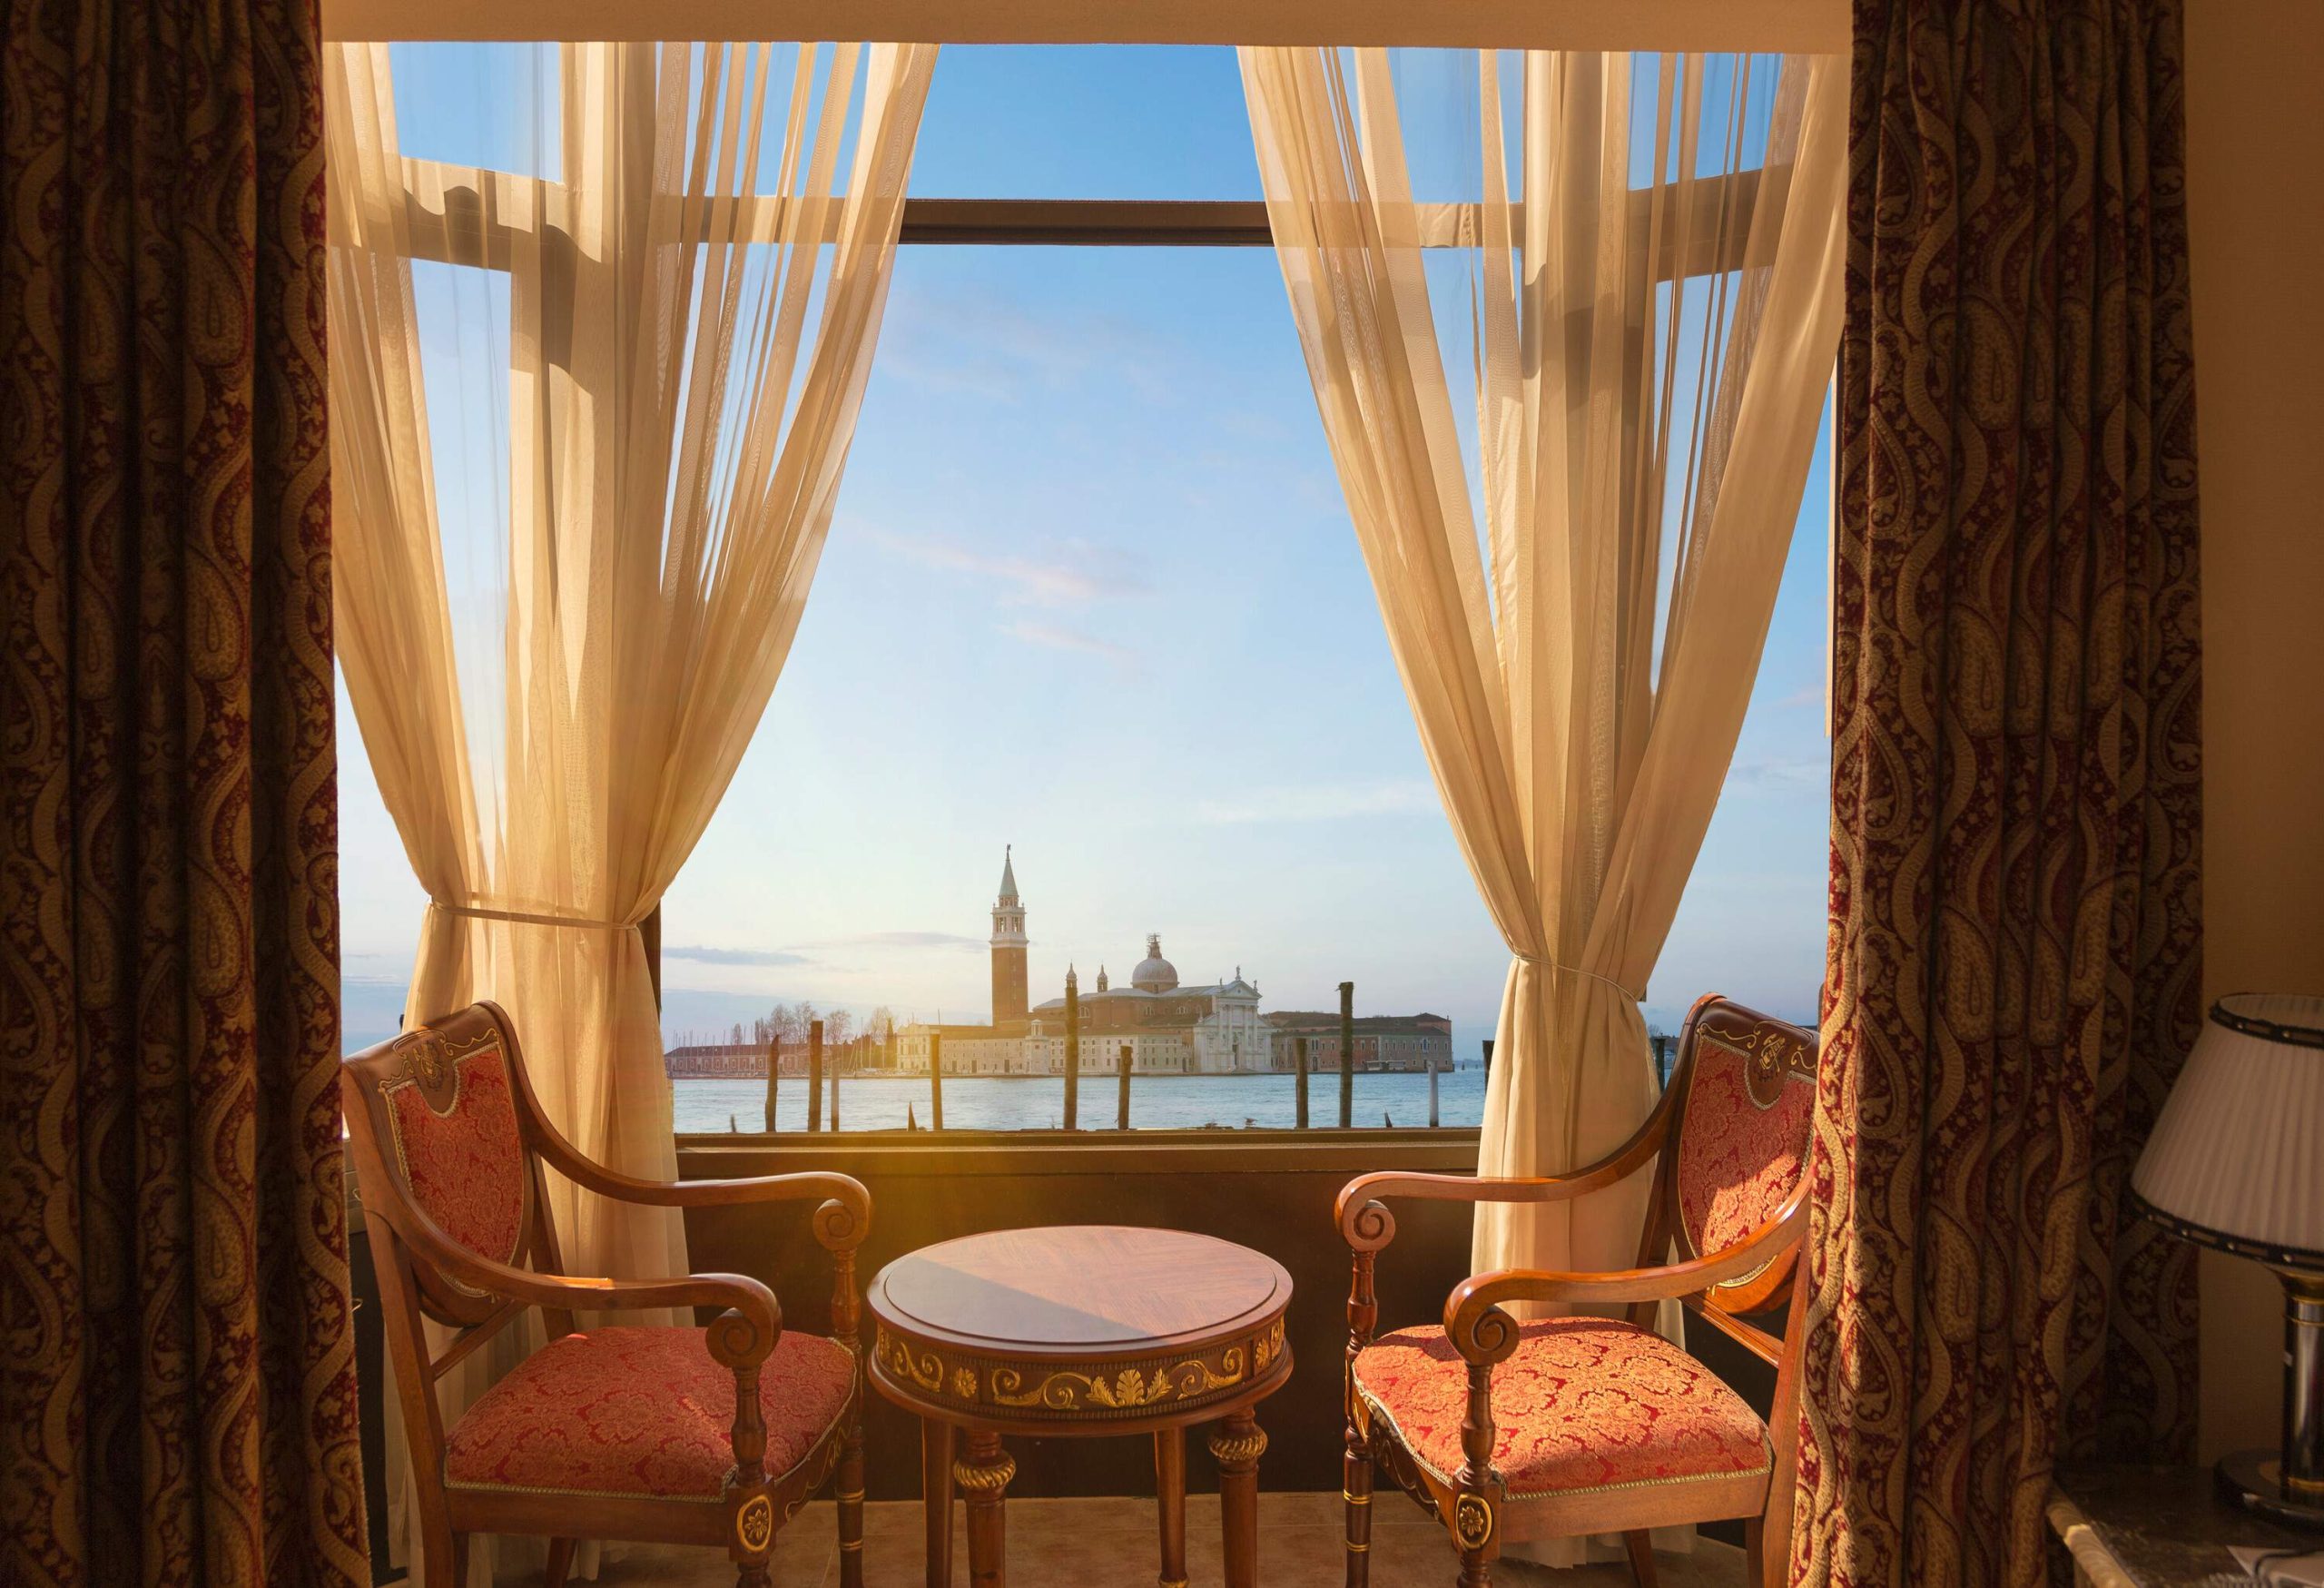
[
  {"x": 1476, "y": 1537},
  {"x": 1356, "y": 1492},
  {"x": 1755, "y": 1543},
  {"x": 1640, "y": 1545},
  {"x": 457, "y": 1576},
  {"x": 560, "y": 1562},
  {"x": 848, "y": 1503}
]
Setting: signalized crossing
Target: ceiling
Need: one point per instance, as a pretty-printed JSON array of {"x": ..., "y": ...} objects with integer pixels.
[{"x": 1804, "y": 26}]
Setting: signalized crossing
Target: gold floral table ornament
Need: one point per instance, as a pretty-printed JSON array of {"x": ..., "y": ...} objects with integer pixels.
[{"x": 1081, "y": 1332}]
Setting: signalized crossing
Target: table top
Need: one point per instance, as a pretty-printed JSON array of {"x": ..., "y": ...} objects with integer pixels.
[
  {"x": 1074, "y": 1288},
  {"x": 2155, "y": 1526},
  {"x": 1084, "y": 1321}
]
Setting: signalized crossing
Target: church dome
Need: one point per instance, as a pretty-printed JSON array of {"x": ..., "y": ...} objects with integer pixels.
[{"x": 1154, "y": 974}]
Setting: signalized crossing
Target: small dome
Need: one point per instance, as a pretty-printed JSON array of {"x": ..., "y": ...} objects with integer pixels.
[{"x": 1154, "y": 974}]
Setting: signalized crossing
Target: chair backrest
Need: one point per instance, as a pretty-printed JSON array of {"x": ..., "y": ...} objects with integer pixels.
[
  {"x": 1744, "y": 1096},
  {"x": 443, "y": 1108}
]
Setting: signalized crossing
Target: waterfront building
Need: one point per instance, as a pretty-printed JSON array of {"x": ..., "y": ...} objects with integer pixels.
[
  {"x": 1170, "y": 1029},
  {"x": 721, "y": 1061},
  {"x": 1383, "y": 1042},
  {"x": 1213, "y": 1029}
]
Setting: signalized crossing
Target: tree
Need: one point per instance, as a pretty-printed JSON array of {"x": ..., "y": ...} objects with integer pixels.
[{"x": 838, "y": 1026}]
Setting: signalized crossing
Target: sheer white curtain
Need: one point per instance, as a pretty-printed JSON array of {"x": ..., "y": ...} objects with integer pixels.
[
  {"x": 1648, "y": 264},
  {"x": 569, "y": 575}
]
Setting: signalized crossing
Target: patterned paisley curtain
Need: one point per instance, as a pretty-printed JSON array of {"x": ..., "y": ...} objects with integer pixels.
[
  {"x": 2015, "y": 933},
  {"x": 177, "y": 1386}
]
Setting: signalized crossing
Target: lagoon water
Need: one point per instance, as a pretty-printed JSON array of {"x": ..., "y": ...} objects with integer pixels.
[{"x": 1034, "y": 1103}]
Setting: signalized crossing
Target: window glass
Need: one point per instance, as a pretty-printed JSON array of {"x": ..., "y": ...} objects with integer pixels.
[{"x": 492, "y": 105}]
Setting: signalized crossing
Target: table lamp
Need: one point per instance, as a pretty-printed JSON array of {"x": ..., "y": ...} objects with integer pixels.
[{"x": 2236, "y": 1162}]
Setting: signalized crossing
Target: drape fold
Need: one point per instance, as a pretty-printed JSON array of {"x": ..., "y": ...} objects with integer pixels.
[
  {"x": 1655, "y": 309},
  {"x": 693, "y": 300},
  {"x": 177, "y": 1398},
  {"x": 2014, "y": 956}
]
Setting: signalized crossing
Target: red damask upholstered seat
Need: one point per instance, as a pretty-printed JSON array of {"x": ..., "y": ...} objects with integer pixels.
[
  {"x": 1581, "y": 1424},
  {"x": 643, "y": 1412},
  {"x": 1584, "y": 1403},
  {"x": 633, "y": 1434}
]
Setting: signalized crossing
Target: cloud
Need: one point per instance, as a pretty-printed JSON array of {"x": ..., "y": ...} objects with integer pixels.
[
  {"x": 1323, "y": 802},
  {"x": 1773, "y": 774},
  {"x": 905, "y": 940},
  {"x": 1064, "y": 574},
  {"x": 1068, "y": 639},
  {"x": 709, "y": 956},
  {"x": 997, "y": 345}
]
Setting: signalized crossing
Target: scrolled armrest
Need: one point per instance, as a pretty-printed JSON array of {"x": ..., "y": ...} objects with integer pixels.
[
  {"x": 1366, "y": 1225},
  {"x": 845, "y": 1190},
  {"x": 1482, "y": 1333},
  {"x": 743, "y": 1333}
]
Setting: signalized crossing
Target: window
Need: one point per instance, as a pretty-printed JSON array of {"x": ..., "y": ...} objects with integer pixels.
[{"x": 1091, "y": 592}]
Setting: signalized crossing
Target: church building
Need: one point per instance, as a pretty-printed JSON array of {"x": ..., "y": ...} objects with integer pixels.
[{"x": 1170, "y": 1029}]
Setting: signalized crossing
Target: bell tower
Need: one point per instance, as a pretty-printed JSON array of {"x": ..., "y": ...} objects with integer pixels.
[{"x": 1009, "y": 999}]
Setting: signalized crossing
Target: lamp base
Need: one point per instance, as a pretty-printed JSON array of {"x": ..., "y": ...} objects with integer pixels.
[{"x": 2253, "y": 1479}]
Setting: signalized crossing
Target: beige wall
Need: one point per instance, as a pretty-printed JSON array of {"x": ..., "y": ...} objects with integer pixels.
[{"x": 2255, "y": 187}]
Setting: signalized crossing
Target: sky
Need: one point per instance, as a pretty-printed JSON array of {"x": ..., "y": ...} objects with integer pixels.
[{"x": 1092, "y": 590}]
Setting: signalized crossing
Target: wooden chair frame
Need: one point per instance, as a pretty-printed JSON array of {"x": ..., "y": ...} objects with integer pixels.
[
  {"x": 1724, "y": 1288},
  {"x": 425, "y": 1273}
]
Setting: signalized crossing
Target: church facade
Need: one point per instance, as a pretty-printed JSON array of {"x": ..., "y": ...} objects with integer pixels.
[{"x": 1169, "y": 1028}]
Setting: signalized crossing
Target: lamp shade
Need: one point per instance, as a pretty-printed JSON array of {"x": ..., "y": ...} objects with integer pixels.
[{"x": 2236, "y": 1159}]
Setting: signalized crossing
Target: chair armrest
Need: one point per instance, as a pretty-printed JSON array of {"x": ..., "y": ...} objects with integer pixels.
[
  {"x": 740, "y": 1336},
  {"x": 1484, "y": 1334},
  {"x": 840, "y": 1223},
  {"x": 1366, "y": 1225}
]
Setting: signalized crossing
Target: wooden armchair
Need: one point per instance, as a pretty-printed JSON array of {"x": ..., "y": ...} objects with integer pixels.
[
  {"x": 667, "y": 1436},
  {"x": 1598, "y": 1425}
]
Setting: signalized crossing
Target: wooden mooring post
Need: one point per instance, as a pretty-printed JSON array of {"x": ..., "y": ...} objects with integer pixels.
[
  {"x": 1072, "y": 1050},
  {"x": 1347, "y": 1055},
  {"x": 814, "y": 1075}
]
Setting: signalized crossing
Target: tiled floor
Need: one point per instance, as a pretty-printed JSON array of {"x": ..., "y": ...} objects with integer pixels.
[{"x": 1110, "y": 1544}]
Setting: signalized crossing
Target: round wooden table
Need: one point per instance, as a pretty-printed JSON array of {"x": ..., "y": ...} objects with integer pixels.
[{"x": 1081, "y": 1332}]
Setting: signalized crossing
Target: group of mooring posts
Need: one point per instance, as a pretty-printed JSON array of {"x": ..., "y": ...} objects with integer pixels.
[
  {"x": 814, "y": 1079},
  {"x": 1301, "y": 1069}
]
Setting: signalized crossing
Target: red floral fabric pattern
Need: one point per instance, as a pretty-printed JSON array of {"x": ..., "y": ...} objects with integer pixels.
[
  {"x": 1737, "y": 1160},
  {"x": 642, "y": 1411},
  {"x": 1584, "y": 1402},
  {"x": 465, "y": 1167}
]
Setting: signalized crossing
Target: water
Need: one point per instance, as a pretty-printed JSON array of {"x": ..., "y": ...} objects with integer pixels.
[{"x": 1036, "y": 1103}]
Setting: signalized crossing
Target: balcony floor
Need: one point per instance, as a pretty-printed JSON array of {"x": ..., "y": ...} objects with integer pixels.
[{"x": 1054, "y": 1542}]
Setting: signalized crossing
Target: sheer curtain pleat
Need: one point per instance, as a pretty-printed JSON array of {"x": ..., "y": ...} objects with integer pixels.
[
  {"x": 1653, "y": 252},
  {"x": 692, "y": 303}
]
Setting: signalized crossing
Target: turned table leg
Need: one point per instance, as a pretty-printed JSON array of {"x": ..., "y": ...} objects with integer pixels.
[
  {"x": 1170, "y": 1502},
  {"x": 1236, "y": 1444},
  {"x": 936, "y": 1498},
  {"x": 982, "y": 1479}
]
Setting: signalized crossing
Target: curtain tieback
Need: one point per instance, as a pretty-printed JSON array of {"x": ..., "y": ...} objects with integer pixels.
[
  {"x": 522, "y": 918},
  {"x": 1548, "y": 965}
]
